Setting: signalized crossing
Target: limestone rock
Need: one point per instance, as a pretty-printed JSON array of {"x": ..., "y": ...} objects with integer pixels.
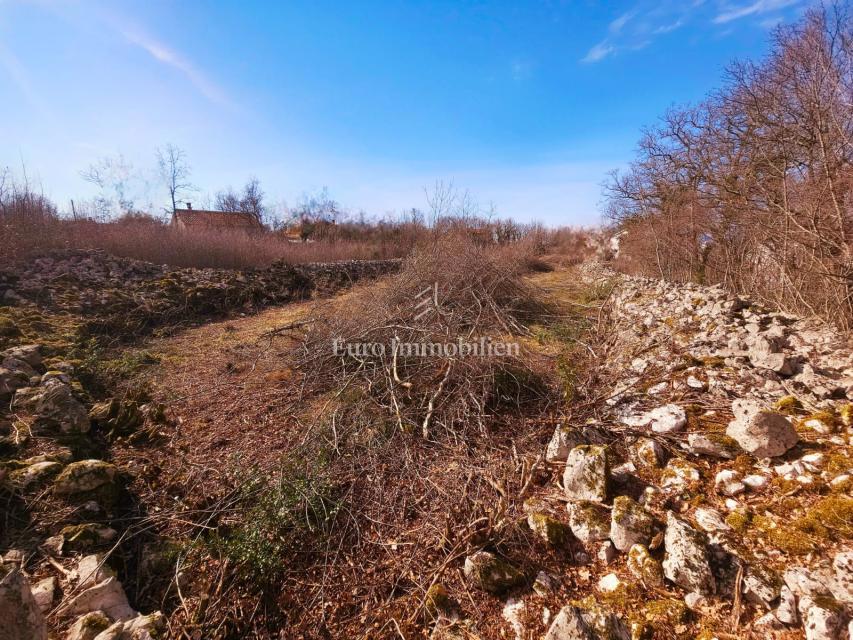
[
  {"x": 821, "y": 621},
  {"x": 92, "y": 569},
  {"x": 786, "y": 612},
  {"x": 807, "y": 582},
  {"x": 491, "y": 574},
  {"x": 604, "y": 624},
  {"x": 768, "y": 623},
  {"x": 711, "y": 520},
  {"x": 669, "y": 418},
  {"x": 20, "y": 616},
  {"x": 586, "y": 474},
  {"x": 11, "y": 381},
  {"x": 609, "y": 583},
  {"x": 644, "y": 567},
  {"x": 842, "y": 587},
  {"x": 764, "y": 434},
  {"x": 630, "y": 524},
  {"x": 35, "y": 475},
  {"x": 569, "y": 625},
  {"x": 562, "y": 442},
  {"x": 717, "y": 445},
  {"x": 43, "y": 592},
  {"x": 679, "y": 474},
  {"x": 686, "y": 562},
  {"x": 88, "y": 626},
  {"x": 780, "y": 363},
  {"x": 56, "y": 404},
  {"x": 549, "y": 529},
  {"x": 607, "y": 552},
  {"x": 647, "y": 453},
  {"x": 29, "y": 353},
  {"x": 589, "y": 521},
  {"x": 84, "y": 477},
  {"x": 107, "y": 596},
  {"x": 138, "y": 628},
  {"x": 728, "y": 482},
  {"x": 760, "y": 586}
]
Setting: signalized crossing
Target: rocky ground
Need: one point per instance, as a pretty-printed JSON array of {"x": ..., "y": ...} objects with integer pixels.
[
  {"x": 705, "y": 493},
  {"x": 711, "y": 493},
  {"x": 124, "y": 298},
  {"x": 66, "y": 504}
]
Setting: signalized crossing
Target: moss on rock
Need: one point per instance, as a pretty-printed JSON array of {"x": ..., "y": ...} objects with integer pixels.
[
  {"x": 88, "y": 479},
  {"x": 551, "y": 530},
  {"x": 491, "y": 574}
]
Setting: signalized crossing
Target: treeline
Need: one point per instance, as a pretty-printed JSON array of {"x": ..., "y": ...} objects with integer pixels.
[
  {"x": 753, "y": 188},
  {"x": 31, "y": 225}
]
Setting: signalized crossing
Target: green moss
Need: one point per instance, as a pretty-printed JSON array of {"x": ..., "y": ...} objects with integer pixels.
[
  {"x": 714, "y": 362},
  {"x": 828, "y": 518},
  {"x": 84, "y": 537},
  {"x": 644, "y": 566},
  {"x": 679, "y": 470},
  {"x": 8, "y": 329},
  {"x": 788, "y": 405},
  {"x": 845, "y": 414},
  {"x": 629, "y": 513},
  {"x": 787, "y": 539},
  {"x": 827, "y": 418},
  {"x": 739, "y": 519},
  {"x": 496, "y": 576},
  {"x": 838, "y": 462},
  {"x": 727, "y": 444},
  {"x": 669, "y": 611},
  {"x": 437, "y": 601},
  {"x": 550, "y": 529},
  {"x": 743, "y": 464},
  {"x": 657, "y": 618}
]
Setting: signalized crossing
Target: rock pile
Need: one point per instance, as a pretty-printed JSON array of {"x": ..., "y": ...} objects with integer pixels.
[
  {"x": 125, "y": 296},
  {"x": 721, "y": 501},
  {"x": 51, "y": 420}
]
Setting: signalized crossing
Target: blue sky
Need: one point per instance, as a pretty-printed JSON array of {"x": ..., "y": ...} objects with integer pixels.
[{"x": 526, "y": 104}]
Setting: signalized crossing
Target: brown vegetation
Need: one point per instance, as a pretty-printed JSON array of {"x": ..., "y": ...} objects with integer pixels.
[
  {"x": 753, "y": 188},
  {"x": 30, "y": 225},
  {"x": 325, "y": 494}
]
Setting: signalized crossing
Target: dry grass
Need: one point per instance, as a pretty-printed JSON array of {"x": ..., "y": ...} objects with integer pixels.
[
  {"x": 313, "y": 494},
  {"x": 163, "y": 244}
]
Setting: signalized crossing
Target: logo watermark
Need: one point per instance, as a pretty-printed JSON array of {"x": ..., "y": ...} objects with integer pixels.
[
  {"x": 478, "y": 348},
  {"x": 427, "y": 301}
]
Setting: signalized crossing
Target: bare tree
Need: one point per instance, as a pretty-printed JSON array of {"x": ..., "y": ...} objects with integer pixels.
[
  {"x": 753, "y": 188},
  {"x": 113, "y": 176},
  {"x": 251, "y": 200},
  {"x": 174, "y": 171}
]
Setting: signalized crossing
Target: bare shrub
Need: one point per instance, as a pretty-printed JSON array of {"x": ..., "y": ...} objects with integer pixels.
[
  {"x": 753, "y": 188},
  {"x": 437, "y": 347}
]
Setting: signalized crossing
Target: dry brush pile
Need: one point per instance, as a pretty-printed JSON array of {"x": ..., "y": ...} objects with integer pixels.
[
  {"x": 440, "y": 346},
  {"x": 405, "y": 462}
]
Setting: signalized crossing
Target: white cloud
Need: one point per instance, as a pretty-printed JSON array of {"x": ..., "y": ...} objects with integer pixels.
[
  {"x": 637, "y": 28},
  {"x": 619, "y": 23},
  {"x": 173, "y": 59},
  {"x": 666, "y": 28},
  {"x": 599, "y": 52},
  {"x": 756, "y": 8}
]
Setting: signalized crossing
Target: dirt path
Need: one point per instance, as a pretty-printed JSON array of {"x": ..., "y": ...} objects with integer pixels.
[{"x": 228, "y": 390}]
